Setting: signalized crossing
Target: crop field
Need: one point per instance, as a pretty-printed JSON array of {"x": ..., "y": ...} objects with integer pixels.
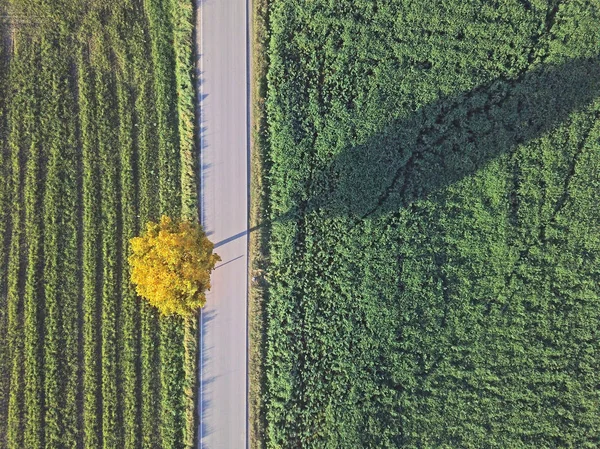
[
  {"x": 96, "y": 138},
  {"x": 433, "y": 174}
]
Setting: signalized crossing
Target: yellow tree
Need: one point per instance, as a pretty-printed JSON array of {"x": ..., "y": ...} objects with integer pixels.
[{"x": 171, "y": 265}]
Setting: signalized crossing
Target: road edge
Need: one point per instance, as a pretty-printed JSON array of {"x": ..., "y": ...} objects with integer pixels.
[
  {"x": 196, "y": 43},
  {"x": 258, "y": 16}
]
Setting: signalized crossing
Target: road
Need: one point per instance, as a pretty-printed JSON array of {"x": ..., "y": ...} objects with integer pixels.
[{"x": 221, "y": 36}]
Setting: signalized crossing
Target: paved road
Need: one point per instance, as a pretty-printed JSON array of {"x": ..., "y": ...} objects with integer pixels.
[{"x": 221, "y": 32}]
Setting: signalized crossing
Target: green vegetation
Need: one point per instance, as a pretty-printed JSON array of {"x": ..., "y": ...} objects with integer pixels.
[
  {"x": 434, "y": 245},
  {"x": 257, "y": 242},
  {"x": 96, "y": 138}
]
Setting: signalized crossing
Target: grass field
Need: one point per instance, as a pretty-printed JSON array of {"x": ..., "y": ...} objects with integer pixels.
[
  {"x": 96, "y": 138},
  {"x": 433, "y": 170}
]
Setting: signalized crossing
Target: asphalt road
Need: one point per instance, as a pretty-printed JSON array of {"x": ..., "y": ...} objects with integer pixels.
[{"x": 221, "y": 36}]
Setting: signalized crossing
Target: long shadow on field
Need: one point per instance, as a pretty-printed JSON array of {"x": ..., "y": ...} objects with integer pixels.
[{"x": 448, "y": 140}]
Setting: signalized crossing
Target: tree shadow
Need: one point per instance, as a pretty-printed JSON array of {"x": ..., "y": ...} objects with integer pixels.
[
  {"x": 448, "y": 140},
  {"x": 204, "y": 383}
]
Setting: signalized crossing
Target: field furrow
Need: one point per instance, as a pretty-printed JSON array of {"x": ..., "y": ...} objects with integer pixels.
[
  {"x": 91, "y": 250},
  {"x": 53, "y": 376}
]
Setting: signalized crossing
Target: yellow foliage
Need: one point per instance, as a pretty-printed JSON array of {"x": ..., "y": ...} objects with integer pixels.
[{"x": 171, "y": 265}]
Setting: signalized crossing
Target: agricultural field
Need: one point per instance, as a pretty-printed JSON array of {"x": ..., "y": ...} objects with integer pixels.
[
  {"x": 432, "y": 170},
  {"x": 96, "y": 139}
]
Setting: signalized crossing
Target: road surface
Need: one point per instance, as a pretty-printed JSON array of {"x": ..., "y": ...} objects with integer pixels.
[{"x": 221, "y": 46}]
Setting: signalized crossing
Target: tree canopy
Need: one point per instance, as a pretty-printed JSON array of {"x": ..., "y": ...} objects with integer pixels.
[{"x": 171, "y": 265}]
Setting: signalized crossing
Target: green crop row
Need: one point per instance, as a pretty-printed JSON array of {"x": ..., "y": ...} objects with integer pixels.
[
  {"x": 146, "y": 138},
  {"x": 183, "y": 26},
  {"x": 5, "y": 174},
  {"x": 129, "y": 316},
  {"x": 70, "y": 260},
  {"x": 163, "y": 58},
  {"x": 19, "y": 121},
  {"x": 54, "y": 141},
  {"x": 90, "y": 234},
  {"x": 110, "y": 258}
]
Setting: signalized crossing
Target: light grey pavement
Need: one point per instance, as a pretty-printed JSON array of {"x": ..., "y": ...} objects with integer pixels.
[{"x": 221, "y": 36}]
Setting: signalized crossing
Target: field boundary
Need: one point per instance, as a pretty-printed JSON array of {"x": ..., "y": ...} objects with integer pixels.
[
  {"x": 257, "y": 244},
  {"x": 184, "y": 17}
]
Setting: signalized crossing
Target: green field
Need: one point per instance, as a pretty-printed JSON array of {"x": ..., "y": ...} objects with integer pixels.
[
  {"x": 96, "y": 138},
  {"x": 433, "y": 175}
]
